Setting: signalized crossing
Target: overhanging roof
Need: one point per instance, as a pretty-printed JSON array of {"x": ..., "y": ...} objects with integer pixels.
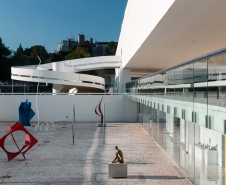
[{"x": 189, "y": 29}]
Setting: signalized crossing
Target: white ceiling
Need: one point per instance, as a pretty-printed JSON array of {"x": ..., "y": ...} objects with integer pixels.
[{"x": 189, "y": 29}]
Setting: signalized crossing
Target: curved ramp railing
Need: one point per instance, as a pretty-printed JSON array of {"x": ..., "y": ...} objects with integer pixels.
[
  {"x": 55, "y": 77},
  {"x": 63, "y": 72}
]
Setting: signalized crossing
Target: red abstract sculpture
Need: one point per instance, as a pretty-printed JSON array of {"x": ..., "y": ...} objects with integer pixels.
[
  {"x": 29, "y": 142},
  {"x": 100, "y": 112}
]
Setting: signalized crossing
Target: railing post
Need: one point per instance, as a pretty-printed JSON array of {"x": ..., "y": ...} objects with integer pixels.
[
  {"x": 12, "y": 86},
  {"x": 103, "y": 123}
]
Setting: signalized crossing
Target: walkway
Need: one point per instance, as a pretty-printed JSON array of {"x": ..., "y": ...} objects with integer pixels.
[
  {"x": 54, "y": 160},
  {"x": 65, "y": 73}
]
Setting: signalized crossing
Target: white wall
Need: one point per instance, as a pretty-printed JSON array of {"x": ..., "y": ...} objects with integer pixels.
[
  {"x": 54, "y": 107},
  {"x": 158, "y": 34},
  {"x": 141, "y": 17},
  {"x": 124, "y": 77}
]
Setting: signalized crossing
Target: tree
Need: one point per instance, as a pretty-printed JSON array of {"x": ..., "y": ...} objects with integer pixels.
[
  {"x": 55, "y": 57},
  {"x": 4, "y": 61},
  {"x": 64, "y": 53},
  {"x": 4, "y": 51},
  {"x": 111, "y": 48},
  {"x": 29, "y": 56},
  {"x": 78, "y": 52},
  {"x": 19, "y": 50},
  {"x": 39, "y": 51}
]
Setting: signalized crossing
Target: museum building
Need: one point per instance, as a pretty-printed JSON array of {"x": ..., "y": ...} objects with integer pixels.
[
  {"x": 182, "y": 99},
  {"x": 170, "y": 66}
]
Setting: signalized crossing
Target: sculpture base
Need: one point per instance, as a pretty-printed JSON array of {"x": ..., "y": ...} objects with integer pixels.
[
  {"x": 100, "y": 125},
  {"x": 117, "y": 170}
]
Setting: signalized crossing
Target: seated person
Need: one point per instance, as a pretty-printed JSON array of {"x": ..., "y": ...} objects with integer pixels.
[{"x": 118, "y": 156}]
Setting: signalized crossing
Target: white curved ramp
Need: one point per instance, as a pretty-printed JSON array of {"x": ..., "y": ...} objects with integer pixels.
[
  {"x": 87, "y": 64},
  {"x": 62, "y": 74}
]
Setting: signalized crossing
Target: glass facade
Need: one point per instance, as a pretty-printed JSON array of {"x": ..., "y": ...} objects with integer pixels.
[{"x": 184, "y": 109}]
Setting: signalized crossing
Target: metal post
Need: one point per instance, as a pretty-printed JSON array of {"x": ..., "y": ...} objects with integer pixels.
[
  {"x": 12, "y": 86},
  {"x": 103, "y": 123},
  {"x": 73, "y": 124}
]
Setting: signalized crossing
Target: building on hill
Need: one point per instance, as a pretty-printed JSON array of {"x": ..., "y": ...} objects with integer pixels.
[
  {"x": 65, "y": 45},
  {"x": 97, "y": 48}
]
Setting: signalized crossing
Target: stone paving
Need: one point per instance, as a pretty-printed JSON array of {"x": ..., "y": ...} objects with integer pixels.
[{"x": 54, "y": 160}]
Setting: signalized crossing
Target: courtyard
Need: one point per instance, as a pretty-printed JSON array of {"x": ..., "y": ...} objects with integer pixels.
[{"x": 55, "y": 160}]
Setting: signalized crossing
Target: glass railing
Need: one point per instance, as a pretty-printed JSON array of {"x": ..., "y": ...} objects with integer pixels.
[
  {"x": 187, "y": 131},
  {"x": 184, "y": 109}
]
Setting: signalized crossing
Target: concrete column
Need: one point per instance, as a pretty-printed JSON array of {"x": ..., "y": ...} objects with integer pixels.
[
  {"x": 123, "y": 78},
  {"x": 60, "y": 66}
]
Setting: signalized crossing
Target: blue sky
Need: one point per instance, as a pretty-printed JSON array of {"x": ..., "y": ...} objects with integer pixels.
[{"x": 47, "y": 22}]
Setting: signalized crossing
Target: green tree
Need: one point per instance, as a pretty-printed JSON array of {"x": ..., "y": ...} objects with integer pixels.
[
  {"x": 4, "y": 51},
  {"x": 64, "y": 53},
  {"x": 19, "y": 50},
  {"x": 55, "y": 57},
  {"x": 29, "y": 56},
  {"x": 111, "y": 48},
  {"x": 78, "y": 52},
  {"x": 39, "y": 51},
  {"x": 4, "y": 62}
]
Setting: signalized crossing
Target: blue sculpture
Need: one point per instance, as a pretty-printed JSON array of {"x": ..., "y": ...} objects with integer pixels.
[{"x": 25, "y": 113}]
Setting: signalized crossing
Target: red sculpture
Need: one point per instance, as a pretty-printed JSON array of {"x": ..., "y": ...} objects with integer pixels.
[
  {"x": 29, "y": 142},
  {"x": 100, "y": 112}
]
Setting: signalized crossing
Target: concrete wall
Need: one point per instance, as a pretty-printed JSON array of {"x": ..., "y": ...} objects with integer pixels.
[
  {"x": 54, "y": 107},
  {"x": 140, "y": 19}
]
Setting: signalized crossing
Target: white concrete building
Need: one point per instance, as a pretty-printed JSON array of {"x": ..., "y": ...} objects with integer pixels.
[
  {"x": 180, "y": 43},
  {"x": 176, "y": 49}
]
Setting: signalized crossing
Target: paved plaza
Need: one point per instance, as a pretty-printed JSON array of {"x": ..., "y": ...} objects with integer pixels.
[{"x": 55, "y": 160}]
